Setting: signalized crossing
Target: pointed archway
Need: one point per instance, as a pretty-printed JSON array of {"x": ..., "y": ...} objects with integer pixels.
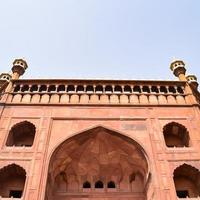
[
  {"x": 12, "y": 181},
  {"x": 187, "y": 181},
  {"x": 97, "y": 157}
]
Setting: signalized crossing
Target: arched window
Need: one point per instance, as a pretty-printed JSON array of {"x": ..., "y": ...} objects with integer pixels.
[
  {"x": 180, "y": 90},
  {"x": 52, "y": 88},
  {"x": 111, "y": 184},
  {"x": 127, "y": 89},
  {"x": 12, "y": 181},
  {"x": 25, "y": 88},
  {"x": 108, "y": 89},
  {"x": 137, "y": 89},
  {"x": 154, "y": 89},
  {"x": 172, "y": 89},
  {"x": 17, "y": 88},
  {"x": 80, "y": 89},
  {"x": 163, "y": 89},
  {"x": 43, "y": 88},
  {"x": 89, "y": 89},
  {"x": 61, "y": 88},
  {"x": 176, "y": 135},
  {"x": 187, "y": 181},
  {"x": 34, "y": 88},
  {"x": 99, "y": 184},
  {"x": 146, "y": 89},
  {"x": 70, "y": 88},
  {"x": 99, "y": 89},
  {"x": 21, "y": 134},
  {"x": 86, "y": 184},
  {"x": 118, "y": 89}
]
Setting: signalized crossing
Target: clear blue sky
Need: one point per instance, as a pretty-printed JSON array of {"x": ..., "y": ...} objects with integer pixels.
[{"x": 117, "y": 39}]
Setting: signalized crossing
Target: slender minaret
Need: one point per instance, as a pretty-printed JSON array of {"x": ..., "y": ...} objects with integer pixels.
[
  {"x": 192, "y": 80},
  {"x": 18, "y": 69},
  {"x": 179, "y": 70},
  {"x": 5, "y": 76}
]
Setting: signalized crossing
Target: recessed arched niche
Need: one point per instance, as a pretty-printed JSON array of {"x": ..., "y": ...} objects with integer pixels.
[
  {"x": 95, "y": 163},
  {"x": 12, "y": 181},
  {"x": 187, "y": 181},
  {"x": 176, "y": 135},
  {"x": 21, "y": 134}
]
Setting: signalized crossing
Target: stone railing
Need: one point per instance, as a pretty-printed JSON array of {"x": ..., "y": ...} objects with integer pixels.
[{"x": 98, "y": 92}]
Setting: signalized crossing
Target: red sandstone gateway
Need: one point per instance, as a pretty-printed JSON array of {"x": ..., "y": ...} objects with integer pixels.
[{"x": 99, "y": 139}]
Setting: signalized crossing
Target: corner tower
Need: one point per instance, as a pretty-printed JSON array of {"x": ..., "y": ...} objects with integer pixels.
[
  {"x": 179, "y": 70},
  {"x": 192, "y": 80},
  {"x": 19, "y": 67}
]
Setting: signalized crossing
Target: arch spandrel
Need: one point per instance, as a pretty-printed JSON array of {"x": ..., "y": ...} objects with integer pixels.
[{"x": 98, "y": 153}]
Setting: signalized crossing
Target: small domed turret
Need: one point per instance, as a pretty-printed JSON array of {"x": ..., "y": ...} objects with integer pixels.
[
  {"x": 192, "y": 80},
  {"x": 179, "y": 70},
  {"x": 19, "y": 67},
  {"x": 5, "y": 76}
]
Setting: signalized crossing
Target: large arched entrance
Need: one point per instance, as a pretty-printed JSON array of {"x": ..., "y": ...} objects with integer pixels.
[{"x": 98, "y": 164}]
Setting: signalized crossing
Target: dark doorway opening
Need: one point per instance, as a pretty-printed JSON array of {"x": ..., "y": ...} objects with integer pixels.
[
  {"x": 15, "y": 193},
  {"x": 111, "y": 184},
  {"x": 182, "y": 193},
  {"x": 86, "y": 185},
  {"x": 99, "y": 184}
]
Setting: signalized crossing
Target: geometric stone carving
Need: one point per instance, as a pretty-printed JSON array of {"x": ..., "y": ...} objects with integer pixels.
[{"x": 97, "y": 155}]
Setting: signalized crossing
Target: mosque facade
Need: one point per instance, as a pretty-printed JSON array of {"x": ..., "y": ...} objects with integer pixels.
[{"x": 70, "y": 139}]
